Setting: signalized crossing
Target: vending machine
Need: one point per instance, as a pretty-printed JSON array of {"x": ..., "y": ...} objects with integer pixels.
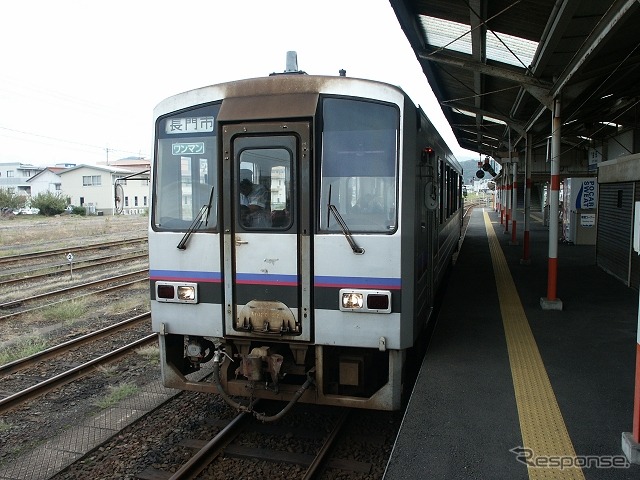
[{"x": 579, "y": 208}]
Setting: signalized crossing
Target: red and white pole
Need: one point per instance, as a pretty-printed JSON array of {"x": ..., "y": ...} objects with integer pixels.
[
  {"x": 551, "y": 302},
  {"x": 527, "y": 201},
  {"x": 507, "y": 197},
  {"x": 631, "y": 440},
  {"x": 636, "y": 403},
  {"x": 501, "y": 197},
  {"x": 514, "y": 208}
]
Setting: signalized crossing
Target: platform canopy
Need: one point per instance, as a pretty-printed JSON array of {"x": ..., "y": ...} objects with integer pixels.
[{"x": 496, "y": 66}]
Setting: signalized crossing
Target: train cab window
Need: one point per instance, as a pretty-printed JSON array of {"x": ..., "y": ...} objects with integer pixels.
[
  {"x": 186, "y": 173},
  {"x": 359, "y": 166}
]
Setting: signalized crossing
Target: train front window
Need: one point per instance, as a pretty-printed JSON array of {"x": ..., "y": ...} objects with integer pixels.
[
  {"x": 359, "y": 165},
  {"x": 186, "y": 175}
]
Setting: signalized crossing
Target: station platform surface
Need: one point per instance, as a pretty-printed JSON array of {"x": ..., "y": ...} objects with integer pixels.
[{"x": 509, "y": 390}]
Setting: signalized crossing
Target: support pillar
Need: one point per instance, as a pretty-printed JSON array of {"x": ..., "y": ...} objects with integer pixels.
[
  {"x": 631, "y": 440},
  {"x": 507, "y": 196},
  {"x": 501, "y": 197},
  {"x": 514, "y": 206},
  {"x": 525, "y": 260},
  {"x": 551, "y": 301}
]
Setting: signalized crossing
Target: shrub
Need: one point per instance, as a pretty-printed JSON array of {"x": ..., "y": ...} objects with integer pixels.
[
  {"x": 79, "y": 210},
  {"x": 9, "y": 200},
  {"x": 49, "y": 203}
]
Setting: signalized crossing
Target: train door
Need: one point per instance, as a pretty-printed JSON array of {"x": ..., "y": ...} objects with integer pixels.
[{"x": 266, "y": 235}]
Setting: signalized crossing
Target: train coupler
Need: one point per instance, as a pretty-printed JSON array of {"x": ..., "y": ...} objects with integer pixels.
[{"x": 254, "y": 365}]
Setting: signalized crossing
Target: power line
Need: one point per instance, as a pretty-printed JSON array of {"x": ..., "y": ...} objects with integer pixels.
[{"x": 72, "y": 142}]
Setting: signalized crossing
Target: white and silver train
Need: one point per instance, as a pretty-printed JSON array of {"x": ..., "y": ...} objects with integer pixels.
[{"x": 300, "y": 227}]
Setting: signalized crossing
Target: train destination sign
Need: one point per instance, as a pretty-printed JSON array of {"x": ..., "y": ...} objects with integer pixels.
[
  {"x": 187, "y": 148},
  {"x": 181, "y": 125}
]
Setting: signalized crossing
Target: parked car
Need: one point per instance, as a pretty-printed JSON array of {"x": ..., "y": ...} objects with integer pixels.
[{"x": 26, "y": 211}]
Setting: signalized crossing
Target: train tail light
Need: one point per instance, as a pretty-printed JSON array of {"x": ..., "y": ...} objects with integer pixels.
[
  {"x": 365, "y": 301},
  {"x": 378, "y": 302},
  {"x": 165, "y": 292}
]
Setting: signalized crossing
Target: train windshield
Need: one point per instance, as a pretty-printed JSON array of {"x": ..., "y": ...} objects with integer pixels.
[
  {"x": 359, "y": 165},
  {"x": 186, "y": 170}
]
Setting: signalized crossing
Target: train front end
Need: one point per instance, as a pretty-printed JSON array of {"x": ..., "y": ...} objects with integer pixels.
[{"x": 275, "y": 241}]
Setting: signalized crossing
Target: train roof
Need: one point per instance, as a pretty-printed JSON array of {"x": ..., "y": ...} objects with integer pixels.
[
  {"x": 287, "y": 84},
  {"x": 302, "y": 91}
]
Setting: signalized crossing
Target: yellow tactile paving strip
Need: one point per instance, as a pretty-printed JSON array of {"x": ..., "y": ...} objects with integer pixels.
[{"x": 544, "y": 433}]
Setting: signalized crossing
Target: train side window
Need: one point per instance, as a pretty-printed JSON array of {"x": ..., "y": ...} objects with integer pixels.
[{"x": 359, "y": 165}]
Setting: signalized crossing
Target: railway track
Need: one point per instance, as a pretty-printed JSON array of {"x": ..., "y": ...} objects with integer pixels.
[
  {"x": 40, "y": 387},
  {"x": 57, "y": 252},
  {"x": 64, "y": 347},
  {"x": 229, "y": 443},
  {"x": 15, "y": 304},
  {"x": 25, "y": 276}
]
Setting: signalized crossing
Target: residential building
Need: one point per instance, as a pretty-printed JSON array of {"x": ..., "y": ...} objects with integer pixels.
[
  {"x": 93, "y": 187},
  {"x": 47, "y": 180},
  {"x": 14, "y": 177}
]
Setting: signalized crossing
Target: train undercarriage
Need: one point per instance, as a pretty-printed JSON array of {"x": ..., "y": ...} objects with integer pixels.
[{"x": 289, "y": 372}]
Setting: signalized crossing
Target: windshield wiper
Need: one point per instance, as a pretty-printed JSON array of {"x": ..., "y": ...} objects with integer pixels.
[
  {"x": 201, "y": 217},
  {"x": 343, "y": 225}
]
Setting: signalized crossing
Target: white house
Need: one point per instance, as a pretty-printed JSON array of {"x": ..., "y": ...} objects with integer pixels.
[
  {"x": 47, "y": 180},
  {"x": 93, "y": 187}
]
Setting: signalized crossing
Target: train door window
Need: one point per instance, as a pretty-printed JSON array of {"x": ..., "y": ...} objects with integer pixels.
[
  {"x": 264, "y": 190},
  {"x": 186, "y": 172},
  {"x": 359, "y": 165}
]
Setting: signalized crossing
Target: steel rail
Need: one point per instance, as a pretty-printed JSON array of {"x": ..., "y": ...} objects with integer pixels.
[
  {"x": 70, "y": 289},
  {"x": 25, "y": 362},
  {"x": 62, "y": 251},
  {"x": 61, "y": 268},
  {"x": 98, "y": 292},
  {"x": 327, "y": 446},
  {"x": 41, "y": 388},
  {"x": 196, "y": 464}
]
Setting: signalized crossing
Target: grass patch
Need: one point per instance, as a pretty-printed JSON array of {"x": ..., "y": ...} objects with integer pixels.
[
  {"x": 65, "y": 311},
  {"x": 151, "y": 353},
  {"x": 4, "y": 426},
  {"x": 22, "y": 349},
  {"x": 139, "y": 302},
  {"x": 109, "y": 370},
  {"x": 116, "y": 394}
]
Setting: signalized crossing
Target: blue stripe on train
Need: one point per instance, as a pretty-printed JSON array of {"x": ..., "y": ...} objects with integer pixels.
[{"x": 283, "y": 280}]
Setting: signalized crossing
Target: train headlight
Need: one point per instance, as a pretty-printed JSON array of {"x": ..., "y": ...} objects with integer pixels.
[
  {"x": 177, "y": 292},
  {"x": 369, "y": 301},
  {"x": 186, "y": 293},
  {"x": 351, "y": 300}
]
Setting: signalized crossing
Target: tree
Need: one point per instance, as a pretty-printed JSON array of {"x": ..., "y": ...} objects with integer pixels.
[{"x": 9, "y": 200}]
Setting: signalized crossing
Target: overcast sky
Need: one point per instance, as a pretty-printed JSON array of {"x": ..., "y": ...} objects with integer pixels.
[{"x": 80, "y": 78}]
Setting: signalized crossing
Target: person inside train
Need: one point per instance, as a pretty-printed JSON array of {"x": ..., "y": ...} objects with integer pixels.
[{"x": 254, "y": 200}]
